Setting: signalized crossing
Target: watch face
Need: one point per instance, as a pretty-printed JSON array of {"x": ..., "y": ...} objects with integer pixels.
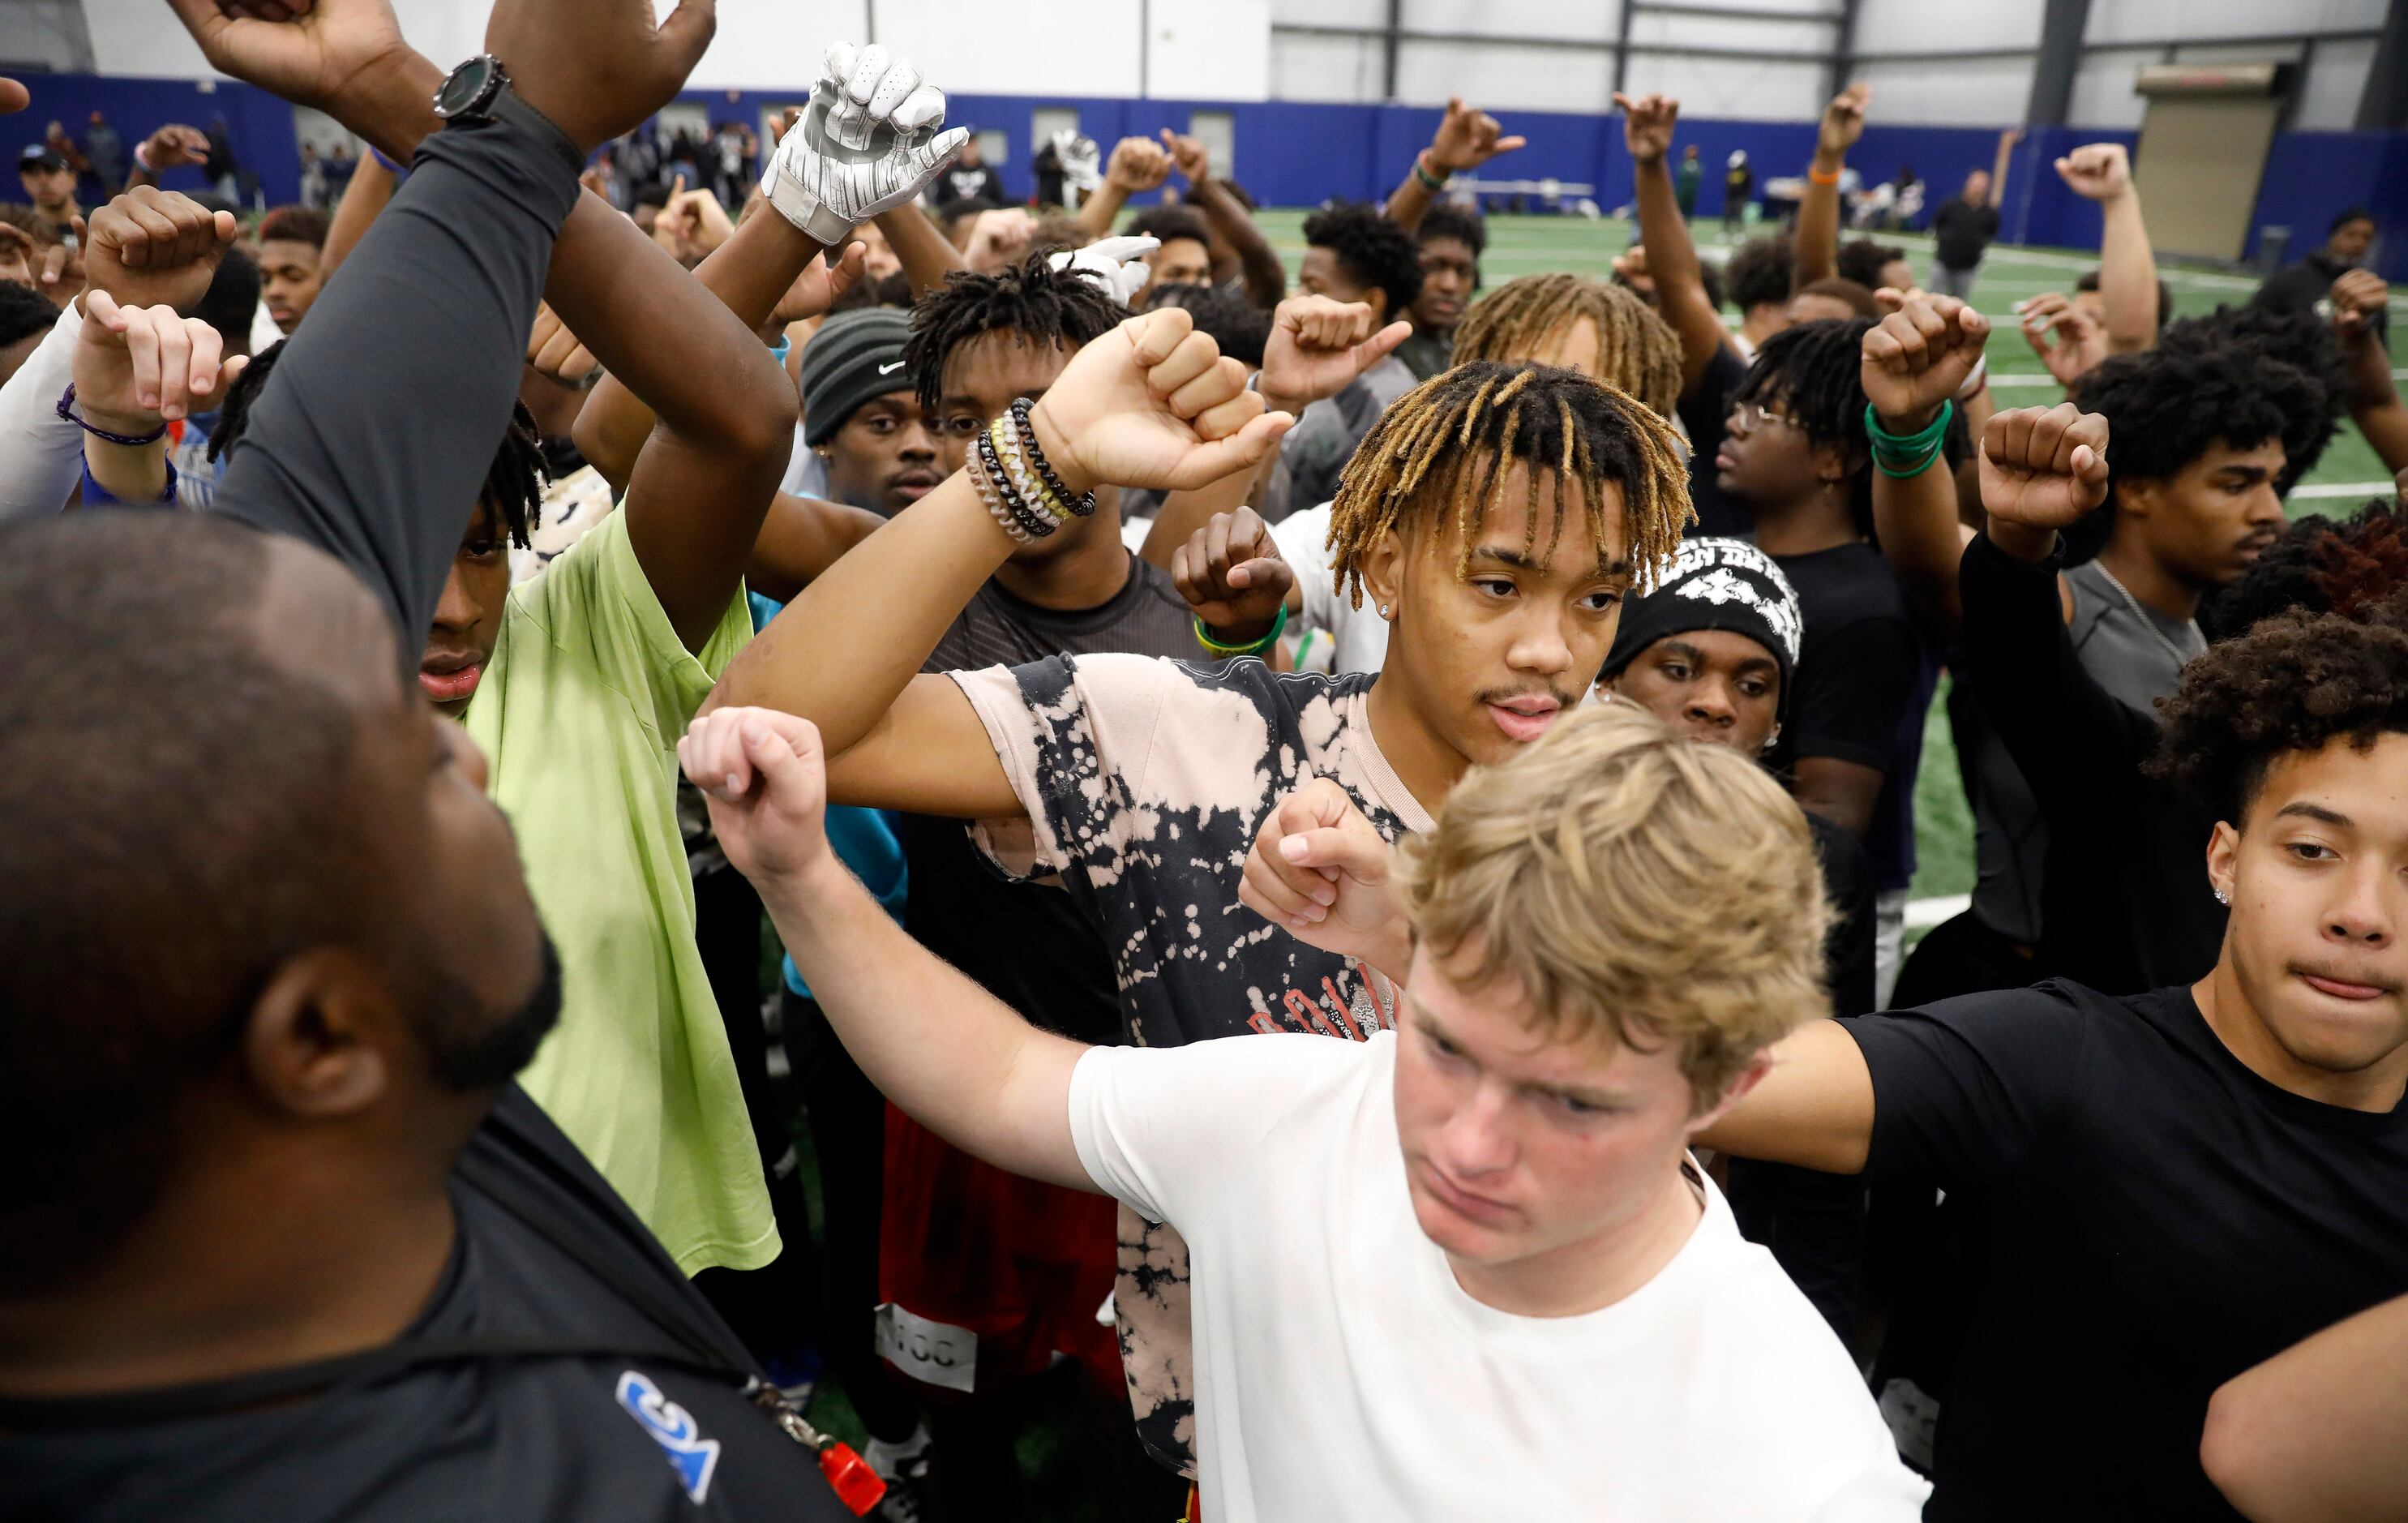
[{"x": 466, "y": 89}]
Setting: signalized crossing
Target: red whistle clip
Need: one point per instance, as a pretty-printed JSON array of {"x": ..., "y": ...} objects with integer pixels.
[{"x": 857, "y": 1485}]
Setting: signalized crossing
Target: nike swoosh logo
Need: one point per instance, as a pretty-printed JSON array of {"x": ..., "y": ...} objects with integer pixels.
[{"x": 884, "y": 369}]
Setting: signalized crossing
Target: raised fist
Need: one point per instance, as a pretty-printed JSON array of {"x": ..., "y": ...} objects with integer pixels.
[
  {"x": 2097, "y": 171},
  {"x": 1138, "y": 163},
  {"x": 1154, "y": 403},
  {"x": 866, "y": 144},
  {"x": 2356, "y": 296},
  {"x": 1918, "y": 357},
  {"x": 172, "y": 147},
  {"x": 1843, "y": 121},
  {"x": 155, "y": 247},
  {"x": 2043, "y": 469},
  {"x": 1318, "y": 870},
  {"x": 1188, "y": 156}
]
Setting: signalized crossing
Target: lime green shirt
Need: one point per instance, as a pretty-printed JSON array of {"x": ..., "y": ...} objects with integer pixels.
[{"x": 587, "y": 692}]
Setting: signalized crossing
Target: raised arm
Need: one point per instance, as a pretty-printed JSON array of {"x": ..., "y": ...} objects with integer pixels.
[
  {"x": 2127, "y": 268},
  {"x": 1466, "y": 139},
  {"x": 172, "y": 147},
  {"x": 948, "y": 1054},
  {"x": 2319, "y": 1433},
  {"x": 927, "y": 256},
  {"x": 2042, "y": 472},
  {"x": 1671, "y": 258},
  {"x": 2007, "y": 141},
  {"x": 375, "y": 462},
  {"x": 1916, "y": 360},
  {"x": 2374, "y": 402},
  {"x": 1265, "y": 277},
  {"x": 1814, "y": 253},
  {"x": 1150, "y": 404},
  {"x": 1138, "y": 165}
]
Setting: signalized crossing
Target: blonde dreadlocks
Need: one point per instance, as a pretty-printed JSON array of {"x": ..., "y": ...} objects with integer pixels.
[
  {"x": 1636, "y": 350},
  {"x": 1477, "y": 420}
]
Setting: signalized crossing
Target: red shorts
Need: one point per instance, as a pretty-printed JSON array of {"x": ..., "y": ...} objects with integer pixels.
[{"x": 1021, "y": 1264}]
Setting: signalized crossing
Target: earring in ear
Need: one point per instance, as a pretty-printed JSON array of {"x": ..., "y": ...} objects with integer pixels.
[
  {"x": 2224, "y": 897},
  {"x": 1384, "y": 610}
]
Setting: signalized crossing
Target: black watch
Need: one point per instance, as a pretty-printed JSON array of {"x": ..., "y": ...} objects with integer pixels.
[{"x": 479, "y": 92}]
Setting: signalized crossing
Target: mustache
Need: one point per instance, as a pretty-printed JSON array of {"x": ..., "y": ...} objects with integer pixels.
[{"x": 1542, "y": 690}]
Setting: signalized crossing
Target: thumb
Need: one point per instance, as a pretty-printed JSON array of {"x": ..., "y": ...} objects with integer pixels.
[
  {"x": 101, "y": 307},
  {"x": 687, "y": 31},
  {"x": 1208, "y": 462},
  {"x": 1506, "y": 145},
  {"x": 1378, "y": 347},
  {"x": 939, "y": 151}
]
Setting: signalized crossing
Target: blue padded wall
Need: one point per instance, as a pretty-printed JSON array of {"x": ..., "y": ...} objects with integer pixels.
[{"x": 1293, "y": 154}]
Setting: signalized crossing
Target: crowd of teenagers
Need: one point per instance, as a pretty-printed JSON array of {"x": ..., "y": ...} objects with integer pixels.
[{"x": 635, "y": 793}]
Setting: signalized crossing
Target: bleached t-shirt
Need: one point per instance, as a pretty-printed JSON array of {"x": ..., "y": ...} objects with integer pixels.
[
  {"x": 1343, "y": 1372},
  {"x": 1144, "y": 781},
  {"x": 1361, "y": 636}
]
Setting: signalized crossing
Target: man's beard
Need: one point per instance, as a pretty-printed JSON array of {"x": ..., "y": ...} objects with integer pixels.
[{"x": 470, "y": 1048}]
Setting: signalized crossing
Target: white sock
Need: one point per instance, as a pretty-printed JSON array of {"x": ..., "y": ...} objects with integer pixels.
[{"x": 891, "y": 1459}]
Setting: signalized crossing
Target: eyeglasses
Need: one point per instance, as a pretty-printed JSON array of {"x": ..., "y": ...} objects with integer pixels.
[{"x": 1752, "y": 416}]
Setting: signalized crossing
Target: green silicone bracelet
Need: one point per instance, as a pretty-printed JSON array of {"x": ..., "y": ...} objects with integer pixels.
[{"x": 1204, "y": 637}]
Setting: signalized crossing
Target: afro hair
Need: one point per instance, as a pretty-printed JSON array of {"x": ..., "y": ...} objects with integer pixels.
[
  {"x": 1447, "y": 221},
  {"x": 2319, "y": 566},
  {"x": 2295, "y": 683},
  {"x": 1758, "y": 272},
  {"x": 1371, "y": 249},
  {"x": 2302, "y": 341}
]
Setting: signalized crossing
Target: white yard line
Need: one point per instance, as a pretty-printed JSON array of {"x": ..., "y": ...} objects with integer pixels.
[{"x": 2345, "y": 489}]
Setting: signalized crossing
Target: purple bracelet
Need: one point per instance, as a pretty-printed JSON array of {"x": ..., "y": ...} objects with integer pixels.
[{"x": 66, "y": 411}]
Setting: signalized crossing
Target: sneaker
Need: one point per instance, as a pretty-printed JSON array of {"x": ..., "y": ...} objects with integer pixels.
[{"x": 904, "y": 1467}]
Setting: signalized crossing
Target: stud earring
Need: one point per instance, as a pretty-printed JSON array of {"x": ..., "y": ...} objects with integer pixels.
[
  {"x": 1384, "y": 610},
  {"x": 2224, "y": 897}
]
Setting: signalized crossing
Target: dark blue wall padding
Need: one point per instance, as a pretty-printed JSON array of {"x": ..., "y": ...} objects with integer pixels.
[
  {"x": 1299, "y": 154},
  {"x": 258, "y": 125}
]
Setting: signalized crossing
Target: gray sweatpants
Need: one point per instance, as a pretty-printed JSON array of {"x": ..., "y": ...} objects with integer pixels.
[{"x": 1946, "y": 281}]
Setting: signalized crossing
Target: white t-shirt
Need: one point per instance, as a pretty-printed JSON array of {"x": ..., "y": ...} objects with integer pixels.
[
  {"x": 1343, "y": 1372},
  {"x": 1360, "y": 633}
]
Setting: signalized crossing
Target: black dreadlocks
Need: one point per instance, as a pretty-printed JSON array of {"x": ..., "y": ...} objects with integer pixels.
[
  {"x": 1041, "y": 306},
  {"x": 1810, "y": 372}
]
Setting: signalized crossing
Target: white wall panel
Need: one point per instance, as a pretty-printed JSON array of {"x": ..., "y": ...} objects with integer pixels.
[
  {"x": 1217, "y": 53},
  {"x": 1016, "y": 47},
  {"x": 1787, "y": 7},
  {"x": 1731, "y": 88},
  {"x": 1962, "y": 92},
  {"x": 1592, "y": 21},
  {"x": 1501, "y": 76},
  {"x": 1327, "y": 12},
  {"x": 1899, "y": 26},
  {"x": 2158, "y": 20},
  {"x": 2336, "y": 81},
  {"x": 766, "y": 46},
  {"x": 2102, "y": 89},
  {"x": 1798, "y": 39},
  {"x": 1308, "y": 67},
  {"x": 2240, "y": 52}
]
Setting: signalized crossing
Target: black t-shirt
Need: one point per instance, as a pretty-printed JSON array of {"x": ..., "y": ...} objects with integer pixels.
[
  {"x": 1704, "y": 411},
  {"x": 2147, "y": 1219},
  {"x": 616, "y": 1435},
  {"x": 1848, "y": 883},
  {"x": 1854, "y": 692},
  {"x": 957, "y": 185},
  {"x": 1961, "y": 230},
  {"x": 1027, "y": 943}
]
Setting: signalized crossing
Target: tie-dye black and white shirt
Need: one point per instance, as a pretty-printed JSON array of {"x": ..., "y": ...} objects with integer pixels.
[{"x": 1145, "y": 781}]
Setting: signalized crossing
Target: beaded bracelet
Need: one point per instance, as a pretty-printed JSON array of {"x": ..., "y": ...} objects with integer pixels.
[
  {"x": 1081, "y": 504},
  {"x": 1033, "y": 524},
  {"x": 1903, "y": 456},
  {"x": 979, "y": 478},
  {"x": 1023, "y": 479},
  {"x": 66, "y": 412}
]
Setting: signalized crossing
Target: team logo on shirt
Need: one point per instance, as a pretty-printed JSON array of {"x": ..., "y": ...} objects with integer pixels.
[{"x": 671, "y": 1426}]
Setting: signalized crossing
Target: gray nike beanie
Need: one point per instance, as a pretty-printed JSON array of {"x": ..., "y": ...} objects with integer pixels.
[{"x": 855, "y": 357}]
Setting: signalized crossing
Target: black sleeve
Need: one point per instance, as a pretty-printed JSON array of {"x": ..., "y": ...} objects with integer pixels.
[
  {"x": 1852, "y": 685},
  {"x": 2064, "y": 731},
  {"x": 1963, "y": 1088},
  {"x": 1705, "y": 412},
  {"x": 373, "y": 437},
  {"x": 1848, "y": 950}
]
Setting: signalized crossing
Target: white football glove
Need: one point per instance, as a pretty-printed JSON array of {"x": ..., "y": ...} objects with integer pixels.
[
  {"x": 1117, "y": 265},
  {"x": 1083, "y": 161},
  {"x": 866, "y": 144}
]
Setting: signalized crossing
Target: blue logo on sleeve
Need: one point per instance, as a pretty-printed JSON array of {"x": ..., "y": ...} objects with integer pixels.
[{"x": 690, "y": 1455}]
